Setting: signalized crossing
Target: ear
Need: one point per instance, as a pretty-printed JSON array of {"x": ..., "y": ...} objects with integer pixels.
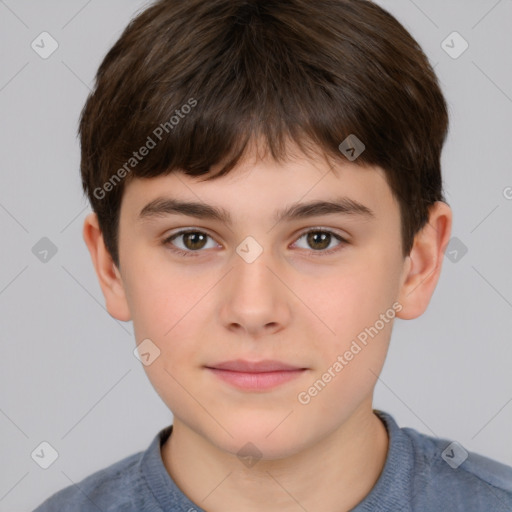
[
  {"x": 108, "y": 274},
  {"x": 423, "y": 268}
]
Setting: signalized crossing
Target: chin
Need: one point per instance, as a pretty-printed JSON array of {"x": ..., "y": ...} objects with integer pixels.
[{"x": 261, "y": 441}]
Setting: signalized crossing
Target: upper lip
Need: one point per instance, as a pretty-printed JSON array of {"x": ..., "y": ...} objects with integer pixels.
[{"x": 267, "y": 365}]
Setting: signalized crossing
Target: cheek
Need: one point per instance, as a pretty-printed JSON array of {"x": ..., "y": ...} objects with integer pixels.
[
  {"x": 350, "y": 302},
  {"x": 168, "y": 307},
  {"x": 349, "y": 298},
  {"x": 160, "y": 297},
  {"x": 348, "y": 362}
]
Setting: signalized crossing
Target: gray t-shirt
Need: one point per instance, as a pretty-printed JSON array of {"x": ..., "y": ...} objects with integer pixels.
[{"x": 421, "y": 473}]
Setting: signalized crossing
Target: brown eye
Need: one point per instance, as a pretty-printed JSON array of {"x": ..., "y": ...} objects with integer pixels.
[
  {"x": 319, "y": 242},
  {"x": 191, "y": 242},
  {"x": 194, "y": 240}
]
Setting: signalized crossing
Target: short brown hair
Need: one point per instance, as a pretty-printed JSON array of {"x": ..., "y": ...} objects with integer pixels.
[{"x": 313, "y": 72}]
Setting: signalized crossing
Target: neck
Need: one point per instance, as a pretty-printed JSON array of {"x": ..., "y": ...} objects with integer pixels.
[{"x": 334, "y": 474}]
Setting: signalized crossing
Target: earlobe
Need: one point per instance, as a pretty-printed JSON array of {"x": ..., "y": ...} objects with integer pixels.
[
  {"x": 108, "y": 274},
  {"x": 423, "y": 267}
]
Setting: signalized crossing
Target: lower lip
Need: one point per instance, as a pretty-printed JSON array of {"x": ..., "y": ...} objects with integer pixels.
[{"x": 256, "y": 381}]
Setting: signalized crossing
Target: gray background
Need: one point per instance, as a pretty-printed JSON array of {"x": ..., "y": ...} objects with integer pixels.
[{"x": 68, "y": 375}]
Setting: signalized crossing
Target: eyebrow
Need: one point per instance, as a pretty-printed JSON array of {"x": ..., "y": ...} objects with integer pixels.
[{"x": 163, "y": 206}]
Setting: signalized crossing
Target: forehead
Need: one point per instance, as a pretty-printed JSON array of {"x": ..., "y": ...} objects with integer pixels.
[{"x": 262, "y": 188}]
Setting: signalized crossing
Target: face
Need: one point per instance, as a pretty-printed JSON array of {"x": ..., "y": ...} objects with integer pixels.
[{"x": 317, "y": 292}]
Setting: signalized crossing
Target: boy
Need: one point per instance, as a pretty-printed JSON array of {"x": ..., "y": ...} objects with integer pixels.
[{"x": 267, "y": 195}]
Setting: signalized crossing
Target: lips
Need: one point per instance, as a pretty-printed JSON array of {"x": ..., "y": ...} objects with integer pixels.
[
  {"x": 240, "y": 365},
  {"x": 255, "y": 376}
]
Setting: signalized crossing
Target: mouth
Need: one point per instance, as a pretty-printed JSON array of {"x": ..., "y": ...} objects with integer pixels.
[{"x": 256, "y": 375}]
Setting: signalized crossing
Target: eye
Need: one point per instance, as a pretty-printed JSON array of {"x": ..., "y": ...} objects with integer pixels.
[
  {"x": 192, "y": 241},
  {"x": 321, "y": 239}
]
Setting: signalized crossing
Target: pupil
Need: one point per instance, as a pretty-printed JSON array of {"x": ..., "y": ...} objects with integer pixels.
[
  {"x": 312, "y": 239},
  {"x": 196, "y": 236}
]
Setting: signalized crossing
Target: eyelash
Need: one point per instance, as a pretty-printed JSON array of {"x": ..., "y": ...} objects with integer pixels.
[{"x": 168, "y": 240}]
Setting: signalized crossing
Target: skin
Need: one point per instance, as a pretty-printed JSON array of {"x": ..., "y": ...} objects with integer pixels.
[{"x": 291, "y": 304}]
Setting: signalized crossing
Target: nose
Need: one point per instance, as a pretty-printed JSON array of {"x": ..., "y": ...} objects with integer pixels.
[{"x": 254, "y": 299}]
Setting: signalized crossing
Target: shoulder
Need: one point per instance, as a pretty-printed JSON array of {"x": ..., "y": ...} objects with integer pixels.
[
  {"x": 451, "y": 476},
  {"x": 116, "y": 487}
]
